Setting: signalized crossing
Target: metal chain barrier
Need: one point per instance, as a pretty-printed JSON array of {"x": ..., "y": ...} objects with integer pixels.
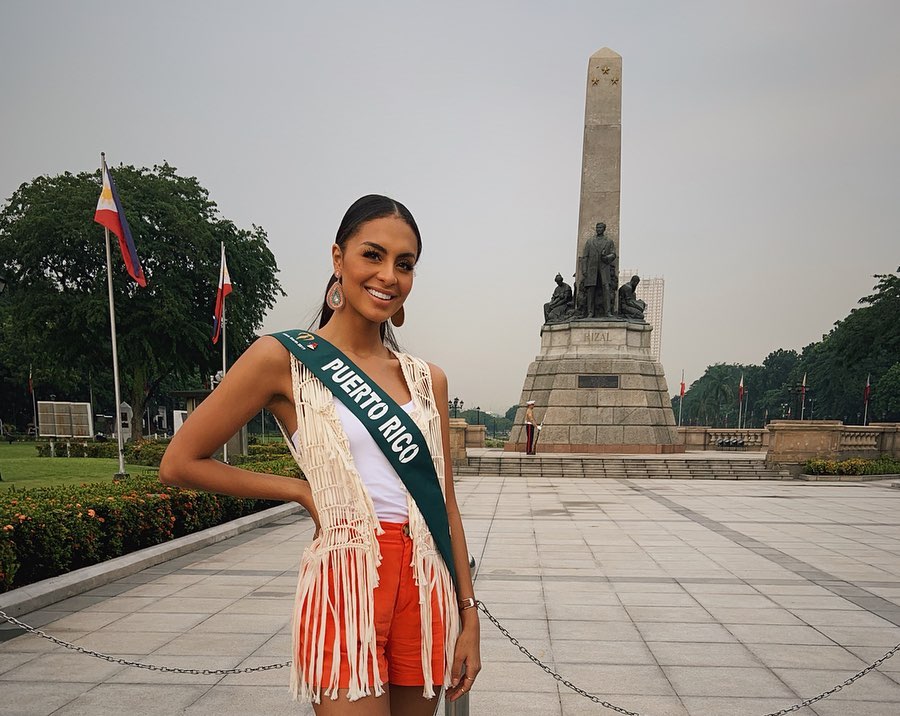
[
  {"x": 138, "y": 664},
  {"x": 481, "y": 607},
  {"x": 605, "y": 704}
]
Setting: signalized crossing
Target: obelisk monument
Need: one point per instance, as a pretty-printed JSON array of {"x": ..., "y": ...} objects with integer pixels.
[
  {"x": 601, "y": 163},
  {"x": 595, "y": 385}
]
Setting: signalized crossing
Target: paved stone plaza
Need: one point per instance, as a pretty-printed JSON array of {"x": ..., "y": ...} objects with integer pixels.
[{"x": 663, "y": 596}]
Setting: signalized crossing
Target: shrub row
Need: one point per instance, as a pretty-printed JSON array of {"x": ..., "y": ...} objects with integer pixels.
[
  {"x": 265, "y": 449},
  {"x": 273, "y": 465},
  {"x": 147, "y": 452},
  {"x": 48, "y": 531},
  {"x": 883, "y": 465}
]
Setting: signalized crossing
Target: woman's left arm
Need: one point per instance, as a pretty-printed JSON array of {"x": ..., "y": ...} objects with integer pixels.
[{"x": 467, "y": 657}]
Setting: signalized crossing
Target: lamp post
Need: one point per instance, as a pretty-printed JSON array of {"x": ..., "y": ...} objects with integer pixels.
[
  {"x": 455, "y": 406},
  {"x": 478, "y": 415}
]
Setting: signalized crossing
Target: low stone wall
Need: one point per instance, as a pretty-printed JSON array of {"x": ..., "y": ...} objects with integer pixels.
[{"x": 793, "y": 442}]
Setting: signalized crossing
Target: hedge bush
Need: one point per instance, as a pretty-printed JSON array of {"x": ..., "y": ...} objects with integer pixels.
[
  {"x": 274, "y": 466},
  {"x": 268, "y": 449},
  {"x": 48, "y": 531},
  {"x": 147, "y": 452},
  {"x": 883, "y": 465}
]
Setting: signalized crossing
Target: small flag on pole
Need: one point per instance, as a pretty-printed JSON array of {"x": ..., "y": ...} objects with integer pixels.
[
  {"x": 868, "y": 389},
  {"x": 682, "y": 383},
  {"x": 111, "y": 215},
  {"x": 223, "y": 290},
  {"x": 741, "y": 390},
  {"x": 803, "y": 387},
  {"x": 30, "y": 383}
]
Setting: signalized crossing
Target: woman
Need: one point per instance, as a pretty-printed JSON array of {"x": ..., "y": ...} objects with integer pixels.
[{"x": 379, "y": 625}]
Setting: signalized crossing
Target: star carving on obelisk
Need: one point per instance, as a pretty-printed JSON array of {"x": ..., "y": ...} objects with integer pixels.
[
  {"x": 595, "y": 81},
  {"x": 605, "y": 70},
  {"x": 615, "y": 80}
]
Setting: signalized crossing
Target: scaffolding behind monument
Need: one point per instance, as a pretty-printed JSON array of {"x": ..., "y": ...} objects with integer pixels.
[{"x": 651, "y": 290}]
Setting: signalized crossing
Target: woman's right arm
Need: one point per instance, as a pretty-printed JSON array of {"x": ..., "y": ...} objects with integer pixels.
[{"x": 259, "y": 378}]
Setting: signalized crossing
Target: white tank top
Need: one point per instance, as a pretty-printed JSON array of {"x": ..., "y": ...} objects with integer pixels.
[{"x": 385, "y": 487}]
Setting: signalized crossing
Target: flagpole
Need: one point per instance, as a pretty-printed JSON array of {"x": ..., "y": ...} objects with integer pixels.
[
  {"x": 33, "y": 401},
  {"x": 224, "y": 356},
  {"x": 681, "y": 399},
  {"x": 866, "y": 398},
  {"x": 115, "y": 348}
]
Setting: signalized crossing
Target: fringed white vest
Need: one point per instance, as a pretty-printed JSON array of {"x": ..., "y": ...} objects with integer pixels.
[{"x": 348, "y": 551}]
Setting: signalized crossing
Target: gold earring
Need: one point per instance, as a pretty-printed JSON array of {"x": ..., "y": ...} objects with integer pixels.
[
  {"x": 398, "y": 318},
  {"x": 336, "y": 295}
]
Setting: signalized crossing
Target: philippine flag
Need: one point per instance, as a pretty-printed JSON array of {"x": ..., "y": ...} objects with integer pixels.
[
  {"x": 223, "y": 290},
  {"x": 111, "y": 215}
]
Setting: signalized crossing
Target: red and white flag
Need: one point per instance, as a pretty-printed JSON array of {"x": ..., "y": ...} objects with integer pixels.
[
  {"x": 741, "y": 390},
  {"x": 223, "y": 290},
  {"x": 803, "y": 387},
  {"x": 682, "y": 383},
  {"x": 868, "y": 389},
  {"x": 110, "y": 214}
]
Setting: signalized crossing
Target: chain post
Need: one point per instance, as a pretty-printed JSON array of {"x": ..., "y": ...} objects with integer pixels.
[{"x": 460, "y": 707}]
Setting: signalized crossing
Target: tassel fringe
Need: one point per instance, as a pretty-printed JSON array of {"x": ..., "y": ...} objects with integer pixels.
[{"x": 339, "y": 570}]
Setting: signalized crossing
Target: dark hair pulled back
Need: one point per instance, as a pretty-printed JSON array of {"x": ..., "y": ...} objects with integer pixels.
[{"x": 365, "y": 209}]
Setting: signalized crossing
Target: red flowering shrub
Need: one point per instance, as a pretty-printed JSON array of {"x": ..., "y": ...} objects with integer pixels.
[{"x": 52, "y": 530}]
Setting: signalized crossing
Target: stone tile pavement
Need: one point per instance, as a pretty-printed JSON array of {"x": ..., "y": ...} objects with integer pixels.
[{"x": 664, "y": 597}]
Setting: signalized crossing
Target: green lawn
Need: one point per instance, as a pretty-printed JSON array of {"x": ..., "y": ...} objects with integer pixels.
[{"x": 21, "y": 467}]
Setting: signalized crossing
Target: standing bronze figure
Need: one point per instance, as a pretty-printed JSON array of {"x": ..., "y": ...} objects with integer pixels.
[{"x": 598, "y": 277}]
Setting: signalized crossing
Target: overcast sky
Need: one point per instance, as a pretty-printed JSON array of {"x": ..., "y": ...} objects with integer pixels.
[{"x": 760, "y": 150}]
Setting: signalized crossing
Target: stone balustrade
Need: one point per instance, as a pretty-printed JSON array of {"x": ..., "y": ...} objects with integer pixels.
[
  {"x": 793, "y": 442},
  {"x": 859, "y": 439},
  {"x": 704, "y": 438},
  {"x": 796, "y": 441}
]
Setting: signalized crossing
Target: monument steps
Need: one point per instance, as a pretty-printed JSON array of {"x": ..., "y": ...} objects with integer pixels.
[{"x": 623, "y": 468}]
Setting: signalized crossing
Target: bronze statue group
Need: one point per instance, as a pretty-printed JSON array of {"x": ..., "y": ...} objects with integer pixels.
[{"x": 597, "y": 289}]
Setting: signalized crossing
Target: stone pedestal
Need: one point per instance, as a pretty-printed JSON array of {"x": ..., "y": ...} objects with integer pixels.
[
  {"x": 475, "y": 435},
  {"x": 458, "y": 441},
  {"x": 597, "y": 389}
]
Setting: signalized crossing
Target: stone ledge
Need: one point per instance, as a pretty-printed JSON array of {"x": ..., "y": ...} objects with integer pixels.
[
  {"x": 599, "y": 449},
  {"x": 847, "y": 478},
  {"x": 49, "y": 591}
]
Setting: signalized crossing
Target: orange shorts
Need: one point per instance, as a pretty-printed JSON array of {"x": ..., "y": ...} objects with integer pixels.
[{"x": 398, "y": 623}]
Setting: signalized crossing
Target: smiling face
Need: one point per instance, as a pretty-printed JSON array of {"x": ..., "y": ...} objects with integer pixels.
[{"x": 376, "y": 267}]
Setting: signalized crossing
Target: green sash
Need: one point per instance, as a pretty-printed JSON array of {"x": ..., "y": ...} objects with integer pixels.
[{"x": 390, "y": 426}]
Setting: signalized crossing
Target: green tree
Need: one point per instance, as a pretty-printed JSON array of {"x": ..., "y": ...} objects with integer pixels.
[
  {"x": 866, "y": 342},
  {"x": 886, "y": 395},
  {"x": 55, "y": 312}
]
